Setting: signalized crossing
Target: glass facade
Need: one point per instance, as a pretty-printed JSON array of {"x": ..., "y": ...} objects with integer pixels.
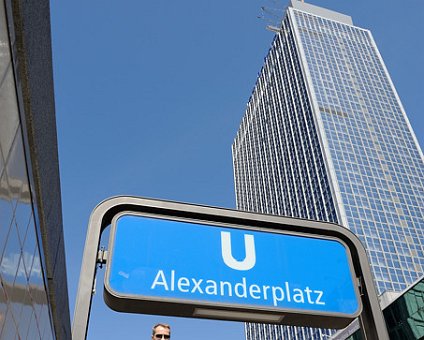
[
  {"x": 378, "y": 167},
  {"x": 325, "y": 137},
  {"x": 24, "y": 307},
  {"x": 277, "y": 146},
  {"x": 404, "y": 317}
]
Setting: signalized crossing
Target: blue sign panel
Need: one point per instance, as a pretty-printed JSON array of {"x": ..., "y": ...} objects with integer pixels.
[{"x": 160, "y": 259}]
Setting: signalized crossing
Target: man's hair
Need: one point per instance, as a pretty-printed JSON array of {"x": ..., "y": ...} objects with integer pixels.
[{"x": 164, "y": 325}]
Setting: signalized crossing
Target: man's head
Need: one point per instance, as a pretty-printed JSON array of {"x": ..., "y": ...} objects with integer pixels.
[{"x": 161, "y": 331}]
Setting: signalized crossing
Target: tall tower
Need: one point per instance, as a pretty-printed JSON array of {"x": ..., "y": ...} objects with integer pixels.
[{"x": 325, "y": 137}]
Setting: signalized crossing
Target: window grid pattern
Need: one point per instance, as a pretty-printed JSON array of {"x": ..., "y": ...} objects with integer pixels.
[
  {"x": 24, "y": 308},
  {"x": 277, "y": 157},
  {"x": 378, "y": 166}
]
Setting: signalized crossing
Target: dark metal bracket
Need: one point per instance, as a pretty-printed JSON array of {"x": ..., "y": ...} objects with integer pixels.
[{"x": 102, "y": 257}]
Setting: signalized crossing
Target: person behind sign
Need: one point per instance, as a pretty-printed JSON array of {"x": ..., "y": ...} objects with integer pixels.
[{"x": 161, "y": 331}]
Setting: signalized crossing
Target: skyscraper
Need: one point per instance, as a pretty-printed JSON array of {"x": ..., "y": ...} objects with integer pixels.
[{"x": 325, "y": 137}]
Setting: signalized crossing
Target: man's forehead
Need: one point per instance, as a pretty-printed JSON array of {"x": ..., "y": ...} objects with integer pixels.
[{"x": 161, "y": 329}]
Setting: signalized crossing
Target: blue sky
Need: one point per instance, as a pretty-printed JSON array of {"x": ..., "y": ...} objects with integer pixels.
[{"x": 149, "y": 96}]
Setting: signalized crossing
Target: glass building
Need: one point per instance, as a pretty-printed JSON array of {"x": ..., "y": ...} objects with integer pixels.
[
  {"x": 404, "y": 316},
  {"x": 325, "y": 137},
  {"x": 33, "y": 290}
]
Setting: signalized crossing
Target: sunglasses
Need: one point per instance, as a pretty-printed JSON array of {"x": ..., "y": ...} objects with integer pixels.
[{"x": 162, "y": 336}]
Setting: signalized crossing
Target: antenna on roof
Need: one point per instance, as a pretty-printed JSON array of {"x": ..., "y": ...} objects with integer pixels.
[
  {"x": 272, "y": 15},
  {"x": 273, "y": 29}
]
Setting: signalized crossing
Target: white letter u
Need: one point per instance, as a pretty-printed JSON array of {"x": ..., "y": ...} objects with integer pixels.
[{"x": 249, "y": 246}]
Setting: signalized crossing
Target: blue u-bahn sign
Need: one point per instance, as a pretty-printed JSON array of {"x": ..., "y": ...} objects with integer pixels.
[
  {"x": 179, "y": 259},
  {"x": 171, "y": 266}
]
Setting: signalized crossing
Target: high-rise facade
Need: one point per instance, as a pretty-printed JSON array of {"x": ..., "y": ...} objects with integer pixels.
[
  {"x": 33, "y": 284},
  {"x": 325, "y": 137}
]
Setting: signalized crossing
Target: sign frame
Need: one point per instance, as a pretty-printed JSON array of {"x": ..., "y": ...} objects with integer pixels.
[
  {"x": 370, "y": 317},
  {"x": 126, "y": 302}
]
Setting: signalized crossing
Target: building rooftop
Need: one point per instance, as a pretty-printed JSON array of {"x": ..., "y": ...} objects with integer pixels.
[{"x": 322, "y": 12}]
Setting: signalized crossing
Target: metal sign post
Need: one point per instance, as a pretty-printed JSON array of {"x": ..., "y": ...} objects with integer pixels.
[{"x": 227, "y": 264}]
